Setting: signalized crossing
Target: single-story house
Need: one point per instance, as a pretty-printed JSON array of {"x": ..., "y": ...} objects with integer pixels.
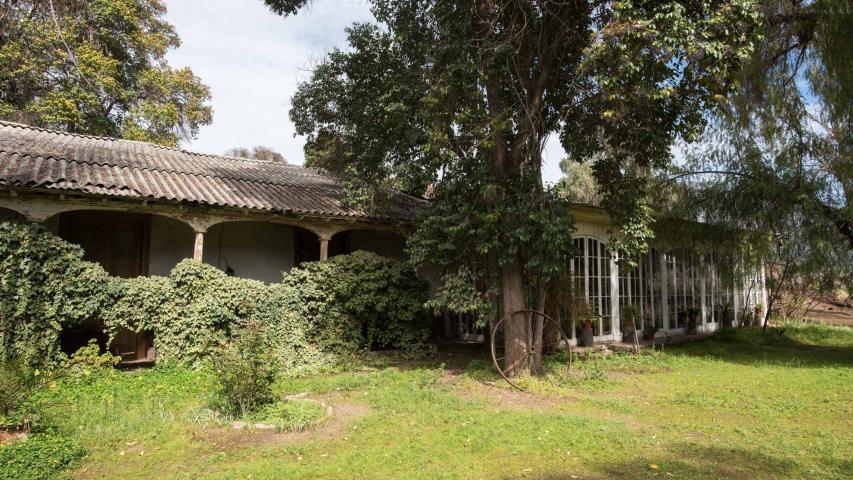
[{"x": 139, "y": 208}]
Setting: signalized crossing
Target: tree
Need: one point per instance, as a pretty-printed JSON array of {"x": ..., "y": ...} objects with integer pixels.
[
  {"x": 578, "y": 183},
  {"x": 97, "y": 67},
  {"x": 259, "y": 152},
  {"x": 463, "y": 96},
  {"x": 778, "y": 162}
]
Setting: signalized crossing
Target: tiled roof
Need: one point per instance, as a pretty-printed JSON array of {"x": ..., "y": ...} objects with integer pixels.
[{"x": 36, "y": 157}]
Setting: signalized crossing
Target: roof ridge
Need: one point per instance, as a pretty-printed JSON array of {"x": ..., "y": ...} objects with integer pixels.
[{"x": 155, "y": 145}]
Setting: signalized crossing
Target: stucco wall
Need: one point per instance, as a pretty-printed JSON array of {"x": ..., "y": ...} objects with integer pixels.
[
  {"x": 171, "y": 241},
  {"x": 261, "y": 251}
]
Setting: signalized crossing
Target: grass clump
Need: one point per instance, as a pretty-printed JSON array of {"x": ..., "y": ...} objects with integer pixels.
[
  {"x": 290, "y": 416},
  {"x": 40, "y": 456}
]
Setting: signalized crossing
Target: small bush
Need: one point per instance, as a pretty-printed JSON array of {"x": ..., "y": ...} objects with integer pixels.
[
  {"x": 39, "y": 457},
  {"x": 290, "y": 416},
  {"x": 90, "y": 358},
  {"x": 244, "y": 372},
  {"x": 16, "y": 383}
]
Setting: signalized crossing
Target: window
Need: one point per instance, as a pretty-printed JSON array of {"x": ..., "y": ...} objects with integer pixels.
[
  {"x": 640, "y": 287},
  {"x": 591, "y": 282},
  {"x": 672, "y": 285}
]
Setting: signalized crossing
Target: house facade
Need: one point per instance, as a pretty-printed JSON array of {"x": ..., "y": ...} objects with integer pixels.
[{"x": 139, "y": 209}]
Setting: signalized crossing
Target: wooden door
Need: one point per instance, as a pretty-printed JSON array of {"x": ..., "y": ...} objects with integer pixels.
[{"x": 119, "y": 242}]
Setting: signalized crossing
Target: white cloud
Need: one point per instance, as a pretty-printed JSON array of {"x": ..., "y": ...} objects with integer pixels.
[{"x": 253, "y": 59}]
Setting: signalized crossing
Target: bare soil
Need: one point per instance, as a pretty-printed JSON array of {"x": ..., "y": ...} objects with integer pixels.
[
  {"x": 834, "y": 313},
  {"x": 344, "y": 412}
]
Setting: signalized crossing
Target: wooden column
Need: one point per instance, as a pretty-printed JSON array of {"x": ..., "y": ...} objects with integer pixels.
[
  {"x": 324, "y": 249},
  {"x": 198, "y": 250}
]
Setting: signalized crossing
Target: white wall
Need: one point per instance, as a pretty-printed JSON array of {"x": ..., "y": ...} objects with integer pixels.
[
  {"x": 260, "y": 251},
  {"x": 171, "y": 241}
]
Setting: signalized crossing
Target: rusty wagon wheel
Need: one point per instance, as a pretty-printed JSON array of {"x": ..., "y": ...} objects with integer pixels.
[{"x": 555, "y": 344}]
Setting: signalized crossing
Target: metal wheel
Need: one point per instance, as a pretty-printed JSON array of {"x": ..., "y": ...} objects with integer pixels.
[{"x": 555, "y": 344}]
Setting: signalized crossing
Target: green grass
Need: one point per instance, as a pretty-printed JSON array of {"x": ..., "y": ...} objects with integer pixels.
[{"x": 741, "y": 405}]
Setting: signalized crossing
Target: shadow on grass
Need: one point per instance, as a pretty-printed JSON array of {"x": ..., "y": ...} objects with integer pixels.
[
  {"x": 704, "y": 462},
  {"x": 779, "y": 346}
]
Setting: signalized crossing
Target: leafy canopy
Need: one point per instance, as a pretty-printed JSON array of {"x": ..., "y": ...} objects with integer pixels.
[
  {"x": 777, "y": 162},
  {"x": 457, "y": 99},
  {"x": 97, "y": 67}
]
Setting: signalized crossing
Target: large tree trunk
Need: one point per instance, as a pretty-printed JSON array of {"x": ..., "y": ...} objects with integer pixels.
[{"x": 516, "y": 332}]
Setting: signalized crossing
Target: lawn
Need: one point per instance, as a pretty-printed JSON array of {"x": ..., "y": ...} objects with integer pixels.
[{"x": 740, "y": 405}]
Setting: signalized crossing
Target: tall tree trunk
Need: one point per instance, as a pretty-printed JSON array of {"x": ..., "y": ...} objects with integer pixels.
[{"x": 516, "y": 333}]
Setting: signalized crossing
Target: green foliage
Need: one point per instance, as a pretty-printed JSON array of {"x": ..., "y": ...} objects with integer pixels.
[
  {"x": 39, "y": 457},
  {"x": 290, "y": 416},
  {"x": 190, "y": 312},
  {"x": 245, "y": 372},
  {"x": 457, "y": 99},
  {"x": 350, "y": 302},
  {"x": 45, "y": 286},
  {"x": 98, "y": 67},
  {"x": 319, "y": 311},
  {"x": 578, "y": 183},
  {"x": 90, "y": 358},
  {"x": 16, "y": 383}
]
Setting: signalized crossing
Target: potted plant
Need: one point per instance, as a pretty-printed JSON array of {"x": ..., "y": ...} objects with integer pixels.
[
  {"x": 727, "y": 316},
  {"x": 630, "y": 316},
  {"x": 746, "y": 317},
  {"x": 759, "y": 313},
  {"x": 692, "y": 315},
  {"x": 586, "y": 332},
  {"x": 649, "y": 332}
]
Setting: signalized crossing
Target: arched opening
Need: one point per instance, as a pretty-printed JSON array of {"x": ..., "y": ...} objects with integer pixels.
[
  {"x": 7, "y": 214},
  {"x": 386, "y": 244},
  {"x": 258, "y": 250},
  {"x": 640, "y": 290},
  {"x": 126, "y": 245}
]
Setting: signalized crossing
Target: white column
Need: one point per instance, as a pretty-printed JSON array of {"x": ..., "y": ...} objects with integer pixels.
[
  {"x": 324, "y": 248},
  {"x": 702, "y": 294},
  {"x": 198, "y": 250},
  {"x": 615, "y": 314},
  {"x": 664, "y": 291}
]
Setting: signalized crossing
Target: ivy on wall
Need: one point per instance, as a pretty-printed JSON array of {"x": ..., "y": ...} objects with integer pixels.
[
  {"x": 45, "y": 287},
  {"x": 319, "y": 310}
]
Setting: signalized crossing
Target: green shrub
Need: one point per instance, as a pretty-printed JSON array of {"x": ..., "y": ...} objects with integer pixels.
[
  {"x": 190, "y": 312},
  {"x": 350, "y": 302},
  {"x": 45, "y": 287},
  {"x": 90, "y": 358},
  {"x": 39, "y": 457},
  {"x": 16, "y": 383},
  {"x": 245, "y": 372}
]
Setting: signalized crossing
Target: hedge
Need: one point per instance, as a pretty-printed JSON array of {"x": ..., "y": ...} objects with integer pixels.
[
  {"x": 45, "y": 287},
  {"x": 319, "y": 311}
]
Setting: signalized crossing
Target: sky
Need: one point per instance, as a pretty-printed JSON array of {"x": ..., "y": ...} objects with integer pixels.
[{"x": 253, "y": 60}]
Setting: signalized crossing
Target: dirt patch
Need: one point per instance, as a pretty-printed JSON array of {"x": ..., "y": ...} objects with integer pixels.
[
  {"x": 832, "y": 313},
  {"x": 8, "y": 437},
  {"x": 344, "y": 412}
]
